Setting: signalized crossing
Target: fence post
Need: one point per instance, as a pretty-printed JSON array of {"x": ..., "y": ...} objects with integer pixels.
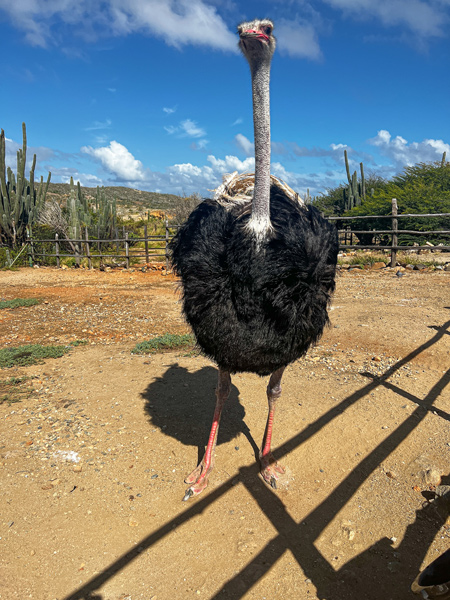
[
  {"x": 88, "y": 254},
  {"x": 167, "y": 245},
  {"x": 57, "y": 249},
  {"x": 146, "y": 242},
  {"x": 30, "y": 247},
  {"x": 127, "y": 250},
  {"x": 394, "y": 233}
]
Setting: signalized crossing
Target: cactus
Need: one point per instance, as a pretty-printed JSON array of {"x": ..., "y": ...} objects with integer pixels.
[
  {"x": 79, "y": 215},
  {"x": 20, "y": 203},
  {"x": 444, "y": 159},
  {"x": 106, "y": 213},
  {"x": 355, "y": 192}
]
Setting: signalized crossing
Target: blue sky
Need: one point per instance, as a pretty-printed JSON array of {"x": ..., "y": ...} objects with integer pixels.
[{"x": 153, "y": 94}]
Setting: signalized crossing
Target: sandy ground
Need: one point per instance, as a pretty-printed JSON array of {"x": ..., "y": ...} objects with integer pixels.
[{"x": 92, "y": 462}]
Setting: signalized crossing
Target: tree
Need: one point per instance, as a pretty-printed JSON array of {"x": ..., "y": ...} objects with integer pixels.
[
  {"x": 421, "y": 188},
  {"x": 183, "y": 206}
]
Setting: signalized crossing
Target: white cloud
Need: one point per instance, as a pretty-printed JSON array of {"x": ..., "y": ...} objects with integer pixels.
[
  {"x": 191, "y": 129},
  {"x": 169, "y": 110},
  {"x": 200, "y": 145},
  {"x": 186, "y": 128},
  {"x": 98, "y": 125},
  {"x": 406, "y": 154},
  {"x": 171, "y": 129},
  {"x": 426, "y": 18},
  {"x": 231, "y": 164},
  {"x": 85, "y": 179},
  {"x": 298, "y": 39},
  {"x": 43, "y": 154},
  {"x": 247, "y": 147},
  {"x": 177, "y": 22},
  {"x": 117, "y": 159}
]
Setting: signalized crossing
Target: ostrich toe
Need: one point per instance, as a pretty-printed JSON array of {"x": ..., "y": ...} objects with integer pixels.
[
  {"x": 271, "y": 470},
  {"x": 198, "y": 480}
]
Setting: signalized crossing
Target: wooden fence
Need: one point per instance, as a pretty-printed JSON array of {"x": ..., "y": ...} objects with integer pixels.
[
  {"x": 156, "y": 246},
  {"x": 393, "y": 232},
  {"x": 126, "y": 249}
]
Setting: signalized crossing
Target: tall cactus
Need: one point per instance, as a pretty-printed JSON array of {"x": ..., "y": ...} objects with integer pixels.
[
  {"x": 79, "y": 215},
  {"x": 20, "y": 202},
  {"x": 106, "y": 210},
  {"x": 355, "y": 192}
]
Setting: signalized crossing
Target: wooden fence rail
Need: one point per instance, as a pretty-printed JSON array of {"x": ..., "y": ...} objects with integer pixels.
[{"x": 156, "y": 246}]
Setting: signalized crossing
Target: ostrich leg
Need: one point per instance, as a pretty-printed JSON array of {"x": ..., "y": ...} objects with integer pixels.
[
  {"x": 198, "y": 479},
  {"x": 270, "y": 469}
]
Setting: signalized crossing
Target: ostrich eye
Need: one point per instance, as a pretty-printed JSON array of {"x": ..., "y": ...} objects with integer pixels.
[{"x": 267, "y": 30}]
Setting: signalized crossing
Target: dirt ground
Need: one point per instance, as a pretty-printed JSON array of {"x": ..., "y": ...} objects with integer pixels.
[{"x": 92, "y": 462}]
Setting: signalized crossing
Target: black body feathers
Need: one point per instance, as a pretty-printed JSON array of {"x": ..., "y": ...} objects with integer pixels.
[{"x": 256, "y": 308}]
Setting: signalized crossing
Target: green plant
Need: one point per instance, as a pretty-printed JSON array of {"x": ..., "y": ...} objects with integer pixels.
[
  {"x": 79, "y": 343},
  {"x": 14, "y": 390},
  {"x": 30, "y": 354},
  {"x": 168, "y": 341},
  {"x": 106, "y": 214},
  {"x": 355, "y": 192},
  {"x": 19, "y": 302},
  {"x": 365, "y": 258},
  {"x": 20, "y": 202}
]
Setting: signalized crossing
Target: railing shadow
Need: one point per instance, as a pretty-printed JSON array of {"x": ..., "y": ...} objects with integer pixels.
[{"x": 368, "y": 575}]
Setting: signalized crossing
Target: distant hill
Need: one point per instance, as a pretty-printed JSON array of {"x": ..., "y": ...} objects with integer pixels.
[{"x": 129, "y": 201}]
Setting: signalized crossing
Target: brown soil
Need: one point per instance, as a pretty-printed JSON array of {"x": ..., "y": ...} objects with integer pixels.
[{"x": 92, "y": 462}]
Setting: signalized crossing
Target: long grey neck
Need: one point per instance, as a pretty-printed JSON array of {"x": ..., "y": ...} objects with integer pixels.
[{"x": 260, "y": 217}]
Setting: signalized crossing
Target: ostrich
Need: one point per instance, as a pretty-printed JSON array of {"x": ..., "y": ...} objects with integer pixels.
[{"x": 257, "y": 269}]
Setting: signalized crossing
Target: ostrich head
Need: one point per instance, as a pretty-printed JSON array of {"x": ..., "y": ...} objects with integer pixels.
[{"x": 256, "y": 40}]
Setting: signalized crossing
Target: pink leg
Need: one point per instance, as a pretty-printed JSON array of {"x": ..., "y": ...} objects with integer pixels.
[
  {"x": 198, "y": 479},
  {"x": 270, "y": 469}
]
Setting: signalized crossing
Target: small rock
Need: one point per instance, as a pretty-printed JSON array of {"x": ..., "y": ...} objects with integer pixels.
[
  {"x": 393, "y": 566},
  {"x": 77, "y": 468},
  {"x": 132, "y": 522},
  {"x": 376, "y": 358},
  {"x": 378, "y": 265},
  {"x": 391, "y": 474},
  {"x": 430, "y": 477}
]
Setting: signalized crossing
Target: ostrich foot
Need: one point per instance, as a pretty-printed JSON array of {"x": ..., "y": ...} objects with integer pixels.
[
  {"x": 198, "y": 480},
  {"x": 270, "y": 469}
]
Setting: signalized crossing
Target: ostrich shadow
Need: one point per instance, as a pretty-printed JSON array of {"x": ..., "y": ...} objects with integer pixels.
[{"x": 181, "y": 404}]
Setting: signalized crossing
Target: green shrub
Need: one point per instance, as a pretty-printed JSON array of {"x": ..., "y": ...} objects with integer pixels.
[
  {"x": 14, "y": 389},
  {"x": 19, "y": 302},
  {"x": 31, "y": 354},
  {"x": 167, "y": 341}
]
